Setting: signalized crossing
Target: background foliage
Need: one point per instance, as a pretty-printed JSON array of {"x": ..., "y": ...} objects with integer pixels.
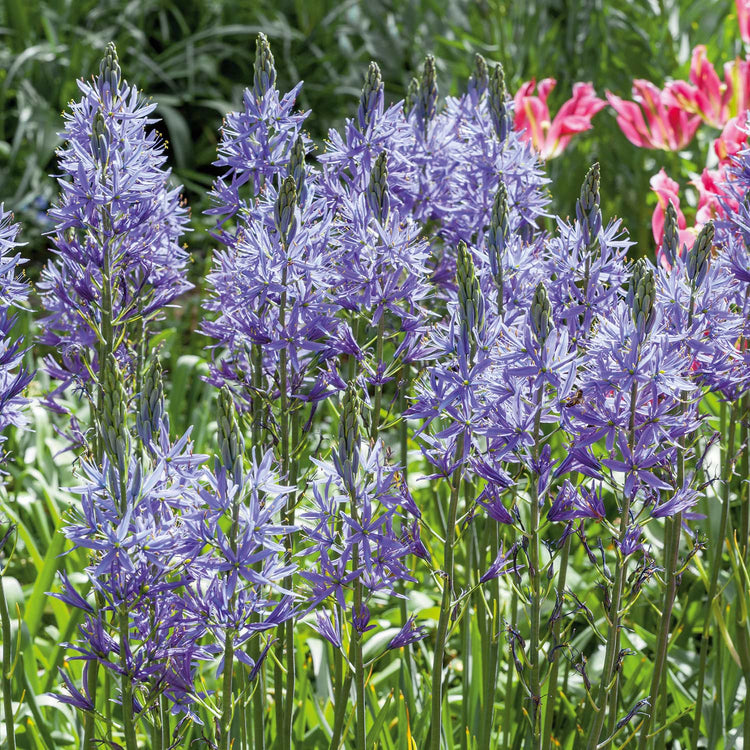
[{"x": 195, "y": 57}]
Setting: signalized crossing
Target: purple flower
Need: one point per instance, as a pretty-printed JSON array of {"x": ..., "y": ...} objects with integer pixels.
[
  {"x": 409, "y": 633},
  {"x": 118, "y": 227}
]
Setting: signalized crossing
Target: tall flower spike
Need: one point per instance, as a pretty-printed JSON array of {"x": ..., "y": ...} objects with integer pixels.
[
  {"x": 480, "y": 78},
  {"x": 371, "y": 98},
  {"x": 231, "y": 442},
  {"x": 378, "y": 198},
  {"x": 540, "y": 317},
  {"x": 264, "y": 75},
  {"x": 151, "y": 411},
  {"x": 697, "y": 259},
  {"x": 109, "y": 67},
  {"x": 641, "y": 295},
  {"x": 497, "y": 239},
  {"x": 588, "y": 210},
  {"x": 412, "y": 94},
  {"x": 298, "y": 169},
  {"x": 498, "y": 103},
  {"x": 284, "y": 210},
  {"x": 113, "y": 418},
  {"x": 470, "y": 299},
  {"x": 671, "y": 243},
  {"x": 346, "y": 458}
]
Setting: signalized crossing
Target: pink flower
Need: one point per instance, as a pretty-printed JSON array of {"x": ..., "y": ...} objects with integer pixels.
[
  {"x": 733, "y": 138},
  {"x": 669, "y": 127},
  {"x": 708, "y": 96},
  {"x": 743, "y": 17},
  {"x": 711, "y": 195},
  {"x": 738, "y": 72},
  {"x": 532, "y": 116},
  {"x": 667, "y": 191}
]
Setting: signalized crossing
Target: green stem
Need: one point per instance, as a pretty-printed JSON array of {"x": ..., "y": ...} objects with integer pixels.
[
  {"x": 445, "y": 605},
  {"x": 289, "y": 625},
  {"x": 555, "y": 669},
  {"x": 508, "y": 698},
  {"x": 283, "y": 657},
  {"x": 713, "y": 581},
  {"x": 375, "y": 425},
  {"x": 613, "y": 631},
  {"x": 166, "y": 733},
  {"x": 10, "y": 732},
  {"x": 535, "y": 576},
  {"x": 126, "y": 685},
  {"x": 343, "y": 686}
]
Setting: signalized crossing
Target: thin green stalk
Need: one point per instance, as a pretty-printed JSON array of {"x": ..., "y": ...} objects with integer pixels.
[
  {"x": 555, "y": 669},
  {"x": 535, "y": 575},
  {"x": 509, "y": 679},
  {"x": 227, "y": 696},
  {"x": 713, "y": 580},
  {"x": 407, "y": 666},
  {"x": 375, "y": 425},
  {"x": 445, "y": 606},
  {"x": 166, "y": 734},
  {"x": 10, "y": 732},
  {"x": 613, "y": 631},
  {"x": 289, "y": 625},
  {"x": 126, "y": 685},
  {"x": 343, "y": 686},
  {"x": 283, "y": 657}
]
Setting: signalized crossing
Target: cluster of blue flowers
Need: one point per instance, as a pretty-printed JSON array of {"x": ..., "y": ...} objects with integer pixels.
[{"x": 398, "y": 289}]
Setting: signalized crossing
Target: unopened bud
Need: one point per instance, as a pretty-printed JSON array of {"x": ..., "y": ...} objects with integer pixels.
[
  {"x": 377, "y": 195},
  {"x": 480, "y": 78},
  {"x": 641, "y": 295},
  {"x": 540, "y": 316},
  {"x": 697, "y": 259},
  {"x": 264, "y": 76},
  {"x": 371, "y": 98},
  {"x": 498, "y": 96},
  {"x": 284, "y": 210}
]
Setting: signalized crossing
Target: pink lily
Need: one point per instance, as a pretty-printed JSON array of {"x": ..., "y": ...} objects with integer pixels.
[
  {"x": 733, "y": 138},
  {"x": 706, "y": 95},
  {"x": 532, "y": 116},
  {"x": 743, "y": 17},
  {"x": 667, "y": 191},
  {"x": 669, "y": 127}
]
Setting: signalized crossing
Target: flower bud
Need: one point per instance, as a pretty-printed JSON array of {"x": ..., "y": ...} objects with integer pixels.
[
  {"x": 480, "y": 78},
  {"x": 697, "y": 259},
  {"x": 540, "y": 316},
  {"x": 588, "y": 211},
  {"x": 426, "y": 104},
  {"x": 264, "y": 76},
  {"x": 109, "y": 68},
  {"x": 498, "y": 96},
  {"x": 670, "y": 245},
  {"x": 151, "y": 404},
  {"x": 641, "y": 295},
  {"x": 470, "y": 299},
  {"x": 99, "y": 139},
  {"x": 346, "y": 458},
  {"x": 231, "y": 442},
  {"x": 497, "y": 239},
  {"x": 284, "y": 210},
  {"x": 113, "y": 420},
  {"x": 412, "y": 94},
  {"x": 371, "y": 98},
  {"x": 377, "y": 195},
  {"x": 298, "y": 168}
]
